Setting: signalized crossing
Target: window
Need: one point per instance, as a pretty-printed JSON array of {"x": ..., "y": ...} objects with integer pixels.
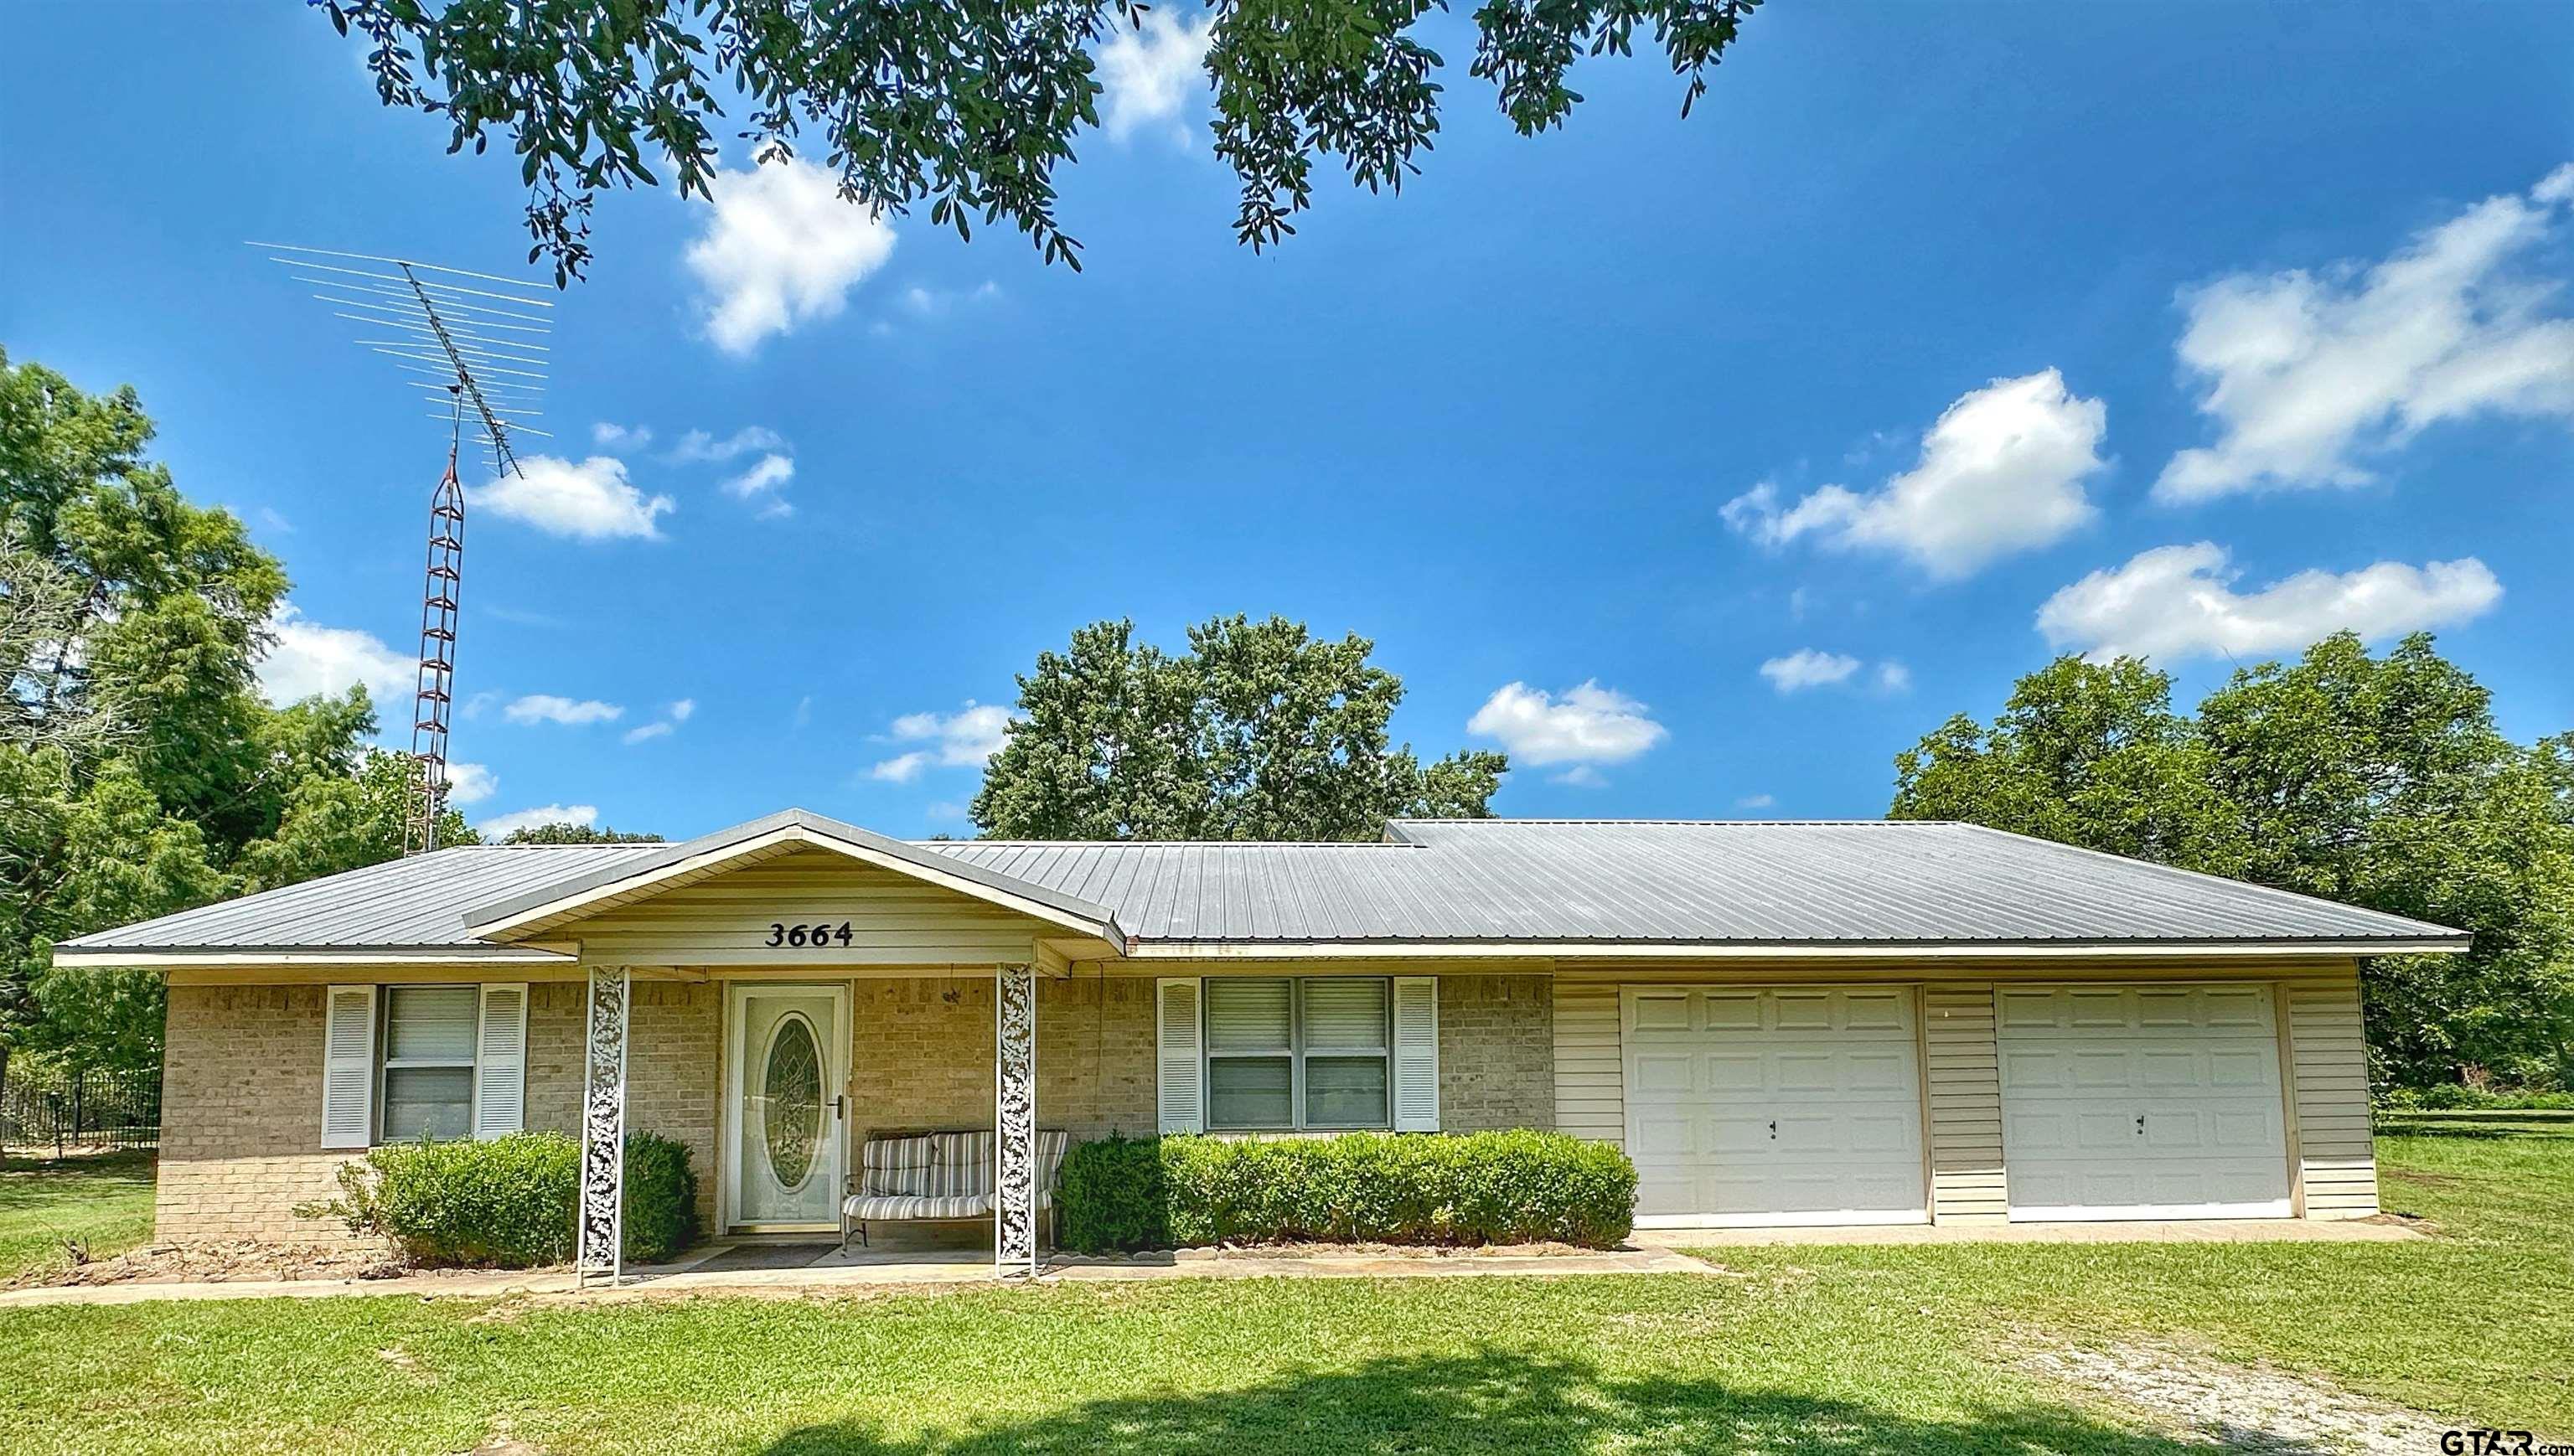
[
  {"x": 1298, "y": 1052},
  {"x": 429, "y": 1044}
]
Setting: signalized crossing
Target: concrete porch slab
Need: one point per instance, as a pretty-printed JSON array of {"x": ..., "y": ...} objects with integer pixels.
[{"x": 2210, "y": 1230}]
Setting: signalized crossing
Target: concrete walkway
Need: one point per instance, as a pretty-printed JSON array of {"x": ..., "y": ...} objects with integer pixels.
[
  {"x": 831, "y": 1271},
  {"x": 2178, "y": 1231},
  {"x": 751, "y": 1267}
]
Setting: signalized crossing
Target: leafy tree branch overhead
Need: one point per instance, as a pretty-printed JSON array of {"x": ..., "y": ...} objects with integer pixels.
[{"x": 968, "y": 106}]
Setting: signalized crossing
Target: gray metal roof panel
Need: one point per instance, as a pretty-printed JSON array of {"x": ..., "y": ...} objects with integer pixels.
[{"x": 1858, "y": 883}]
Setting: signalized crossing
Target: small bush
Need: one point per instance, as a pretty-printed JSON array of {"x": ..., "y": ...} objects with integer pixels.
[
  {"x": 509, "y": 1202},
  {"x": 1361, "y": 1187},
  {"x": 2454, "y": 1097}
]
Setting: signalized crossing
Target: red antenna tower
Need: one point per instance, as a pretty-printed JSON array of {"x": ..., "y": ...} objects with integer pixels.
[{"x": 479, "y": 347}]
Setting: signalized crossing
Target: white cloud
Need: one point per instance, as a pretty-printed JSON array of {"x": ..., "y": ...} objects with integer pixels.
[
  {"x": 1588, "y": 725},
  {"x": 591, "y": 501},
  {"x": 2309, "y": 376},
  {"x": 763, "y": 483},
  {"x": 678, "y": 713},
  {"x": 2180, "y": 602},
  {"x": 1580, "y": 776},
  {"x": 2002, "y": 471},
  {"x": 498, "y": 825},
  {"x": 966, "y": 738},
  {"x": 547, "y": 707},
  {"x": 1150, "y": 72},
  {"x": 699, "y": 445},
  {"x": 900, "y": 768},
  {"x": 781, "y": 248},
  {"x": 471, "y": 783},
  {"x": 308, "y": 659},
  {"x": 608, "y": 436},
  {"x": 1893, "y": 676},
  {"x": 1808, "y": 668},
  {"x": 1756, "y": 800}
]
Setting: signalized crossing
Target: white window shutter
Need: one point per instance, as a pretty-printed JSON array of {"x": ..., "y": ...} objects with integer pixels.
[
  {"x": 1181, "y": 1098},
  {"x": 349, "y": 1066},
  {"x": 500, "y": 1061},
  {"x": 1416, "y": 1054}
]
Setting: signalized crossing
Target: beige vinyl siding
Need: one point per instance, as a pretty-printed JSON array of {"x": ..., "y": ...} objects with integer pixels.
[
  {"x": 1965, "y": 1104},
  {"x": 1590, "y": 1075},
  {"x": 2328, "y": 1125},
  {"x": 893, "y": 919}
]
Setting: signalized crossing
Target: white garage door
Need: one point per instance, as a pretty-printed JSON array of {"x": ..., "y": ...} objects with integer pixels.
[
  {"x": 2141, "y": 1102},
  {"x": 1788, "y": 1106}
]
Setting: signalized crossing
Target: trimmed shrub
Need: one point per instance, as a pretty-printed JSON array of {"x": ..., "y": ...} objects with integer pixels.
[
  {"x": 509, "y": 1202},
  {"x": 1361, "y": 1187}
]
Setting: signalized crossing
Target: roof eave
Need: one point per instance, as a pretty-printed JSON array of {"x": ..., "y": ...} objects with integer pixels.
[{"x": 2276, "y": 949}]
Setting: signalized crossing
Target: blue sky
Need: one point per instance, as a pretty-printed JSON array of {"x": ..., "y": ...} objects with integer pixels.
[{"x": 1705, "y": 464}]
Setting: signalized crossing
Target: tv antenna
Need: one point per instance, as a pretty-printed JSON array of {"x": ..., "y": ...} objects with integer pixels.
[{"x": 466, "y": 347}]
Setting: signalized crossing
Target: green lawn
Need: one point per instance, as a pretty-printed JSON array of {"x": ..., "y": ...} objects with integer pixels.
[
  {"x": 2476, "y": 1325},
  {"x": 102, "y": 1201},
  {"x": 1839, "y": 1350}
]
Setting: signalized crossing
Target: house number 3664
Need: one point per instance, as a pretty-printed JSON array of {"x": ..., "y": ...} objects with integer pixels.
[{"x": 781, "y": 933}]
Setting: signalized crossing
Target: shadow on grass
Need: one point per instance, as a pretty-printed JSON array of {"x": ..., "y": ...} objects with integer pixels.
[{"x": 1495, "y": 1401}]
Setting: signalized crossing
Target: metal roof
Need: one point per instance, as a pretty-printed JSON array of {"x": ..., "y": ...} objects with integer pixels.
[{"x": 1494, "y": 882}]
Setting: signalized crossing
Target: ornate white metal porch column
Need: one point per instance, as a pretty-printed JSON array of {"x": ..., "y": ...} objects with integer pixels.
[
  {"x": 1014, "y": 1120},
  {"x": 599, "y": 1231}
]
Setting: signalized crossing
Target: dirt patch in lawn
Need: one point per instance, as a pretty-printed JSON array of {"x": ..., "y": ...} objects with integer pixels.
[
  {"x": 221, "y": 1264},
  {"x": 2239, "y": 1407}
]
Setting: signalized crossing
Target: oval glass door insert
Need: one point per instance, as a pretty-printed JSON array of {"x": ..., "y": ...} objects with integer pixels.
[{"x": 790, "y": 1102}]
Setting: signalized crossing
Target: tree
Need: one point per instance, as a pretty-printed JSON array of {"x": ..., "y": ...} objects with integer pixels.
[
  {"x": 566, "y": 834},
  {"x": 2085, "y": 754},
  {"x": 968, "y": 106},
  {"x": 2377, "y": 781},
  {"x": 1259, "y": 731},
  {"x": 333, "y": 822},
  {"x": 140, "y": 770}
]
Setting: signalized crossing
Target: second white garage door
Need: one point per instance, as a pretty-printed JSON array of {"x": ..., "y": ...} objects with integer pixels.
[
  {"x": 2141, "y": 1102},
  {"x": 1747, "y": 1107}
]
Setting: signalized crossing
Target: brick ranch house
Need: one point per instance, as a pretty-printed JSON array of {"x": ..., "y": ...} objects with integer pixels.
[{"x": 1781, "y": 1022}]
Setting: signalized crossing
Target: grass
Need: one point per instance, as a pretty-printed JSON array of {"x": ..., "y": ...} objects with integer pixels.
[
  {"x": 2475, "y": 1324},
  {"x": 101, "y": 1201},
  {"x": 1837, "y": 1351}
]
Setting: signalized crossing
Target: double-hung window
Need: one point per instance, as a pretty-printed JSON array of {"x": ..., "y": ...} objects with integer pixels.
[
  {"x": 427, "y": 1066},
  {"x": 1286, "y": 1054},
  {"x": 402, "y": 1063}
]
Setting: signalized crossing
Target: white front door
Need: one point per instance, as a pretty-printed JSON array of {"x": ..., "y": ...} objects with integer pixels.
[
  {"x": 1794, "y": 1105},
  {"x": 2141, "y": 1102},
  {"x": 783, "y": 1143}
]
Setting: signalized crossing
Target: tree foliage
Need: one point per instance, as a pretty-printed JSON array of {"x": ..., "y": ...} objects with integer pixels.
[
  {"x": 140, "y": 771},
  {"x": 968, "y": 106},
  {"x": 568, "y": 834},
  {"x": 2375, "y": 781},
  {"x": 1259, "y": 731}
]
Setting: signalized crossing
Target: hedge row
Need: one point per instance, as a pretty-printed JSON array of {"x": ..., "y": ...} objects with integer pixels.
[
  {"x": 509, "y": 1202},
  {"x": 1361, "y": 1187}
]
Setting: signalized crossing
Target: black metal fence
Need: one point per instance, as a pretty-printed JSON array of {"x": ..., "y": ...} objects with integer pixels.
[{"x": 57, "y": 1110}]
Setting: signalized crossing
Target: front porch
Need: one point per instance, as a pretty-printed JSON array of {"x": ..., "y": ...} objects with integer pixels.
[{"x": 803, "y": 1074}]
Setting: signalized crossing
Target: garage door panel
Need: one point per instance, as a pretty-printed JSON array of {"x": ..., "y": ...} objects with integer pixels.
[
  {"x": 1665, "y": 1072},
  {"x": 1803, "y": 1105},
  {"x": 2172, "y": 1110},
  {"x": 1730, "y": 1071}
]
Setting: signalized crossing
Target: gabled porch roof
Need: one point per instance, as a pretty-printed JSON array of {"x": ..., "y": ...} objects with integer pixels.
[{"x": 589, "y": 889}]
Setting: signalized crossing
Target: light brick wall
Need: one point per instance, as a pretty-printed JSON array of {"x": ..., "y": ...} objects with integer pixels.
[
  {"x": 1495, "y": 1052},
  {"x": 922, "y": 1057},
  {"x": 243, "y": 1096},
  {"x": 241, "y": 1116}
]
